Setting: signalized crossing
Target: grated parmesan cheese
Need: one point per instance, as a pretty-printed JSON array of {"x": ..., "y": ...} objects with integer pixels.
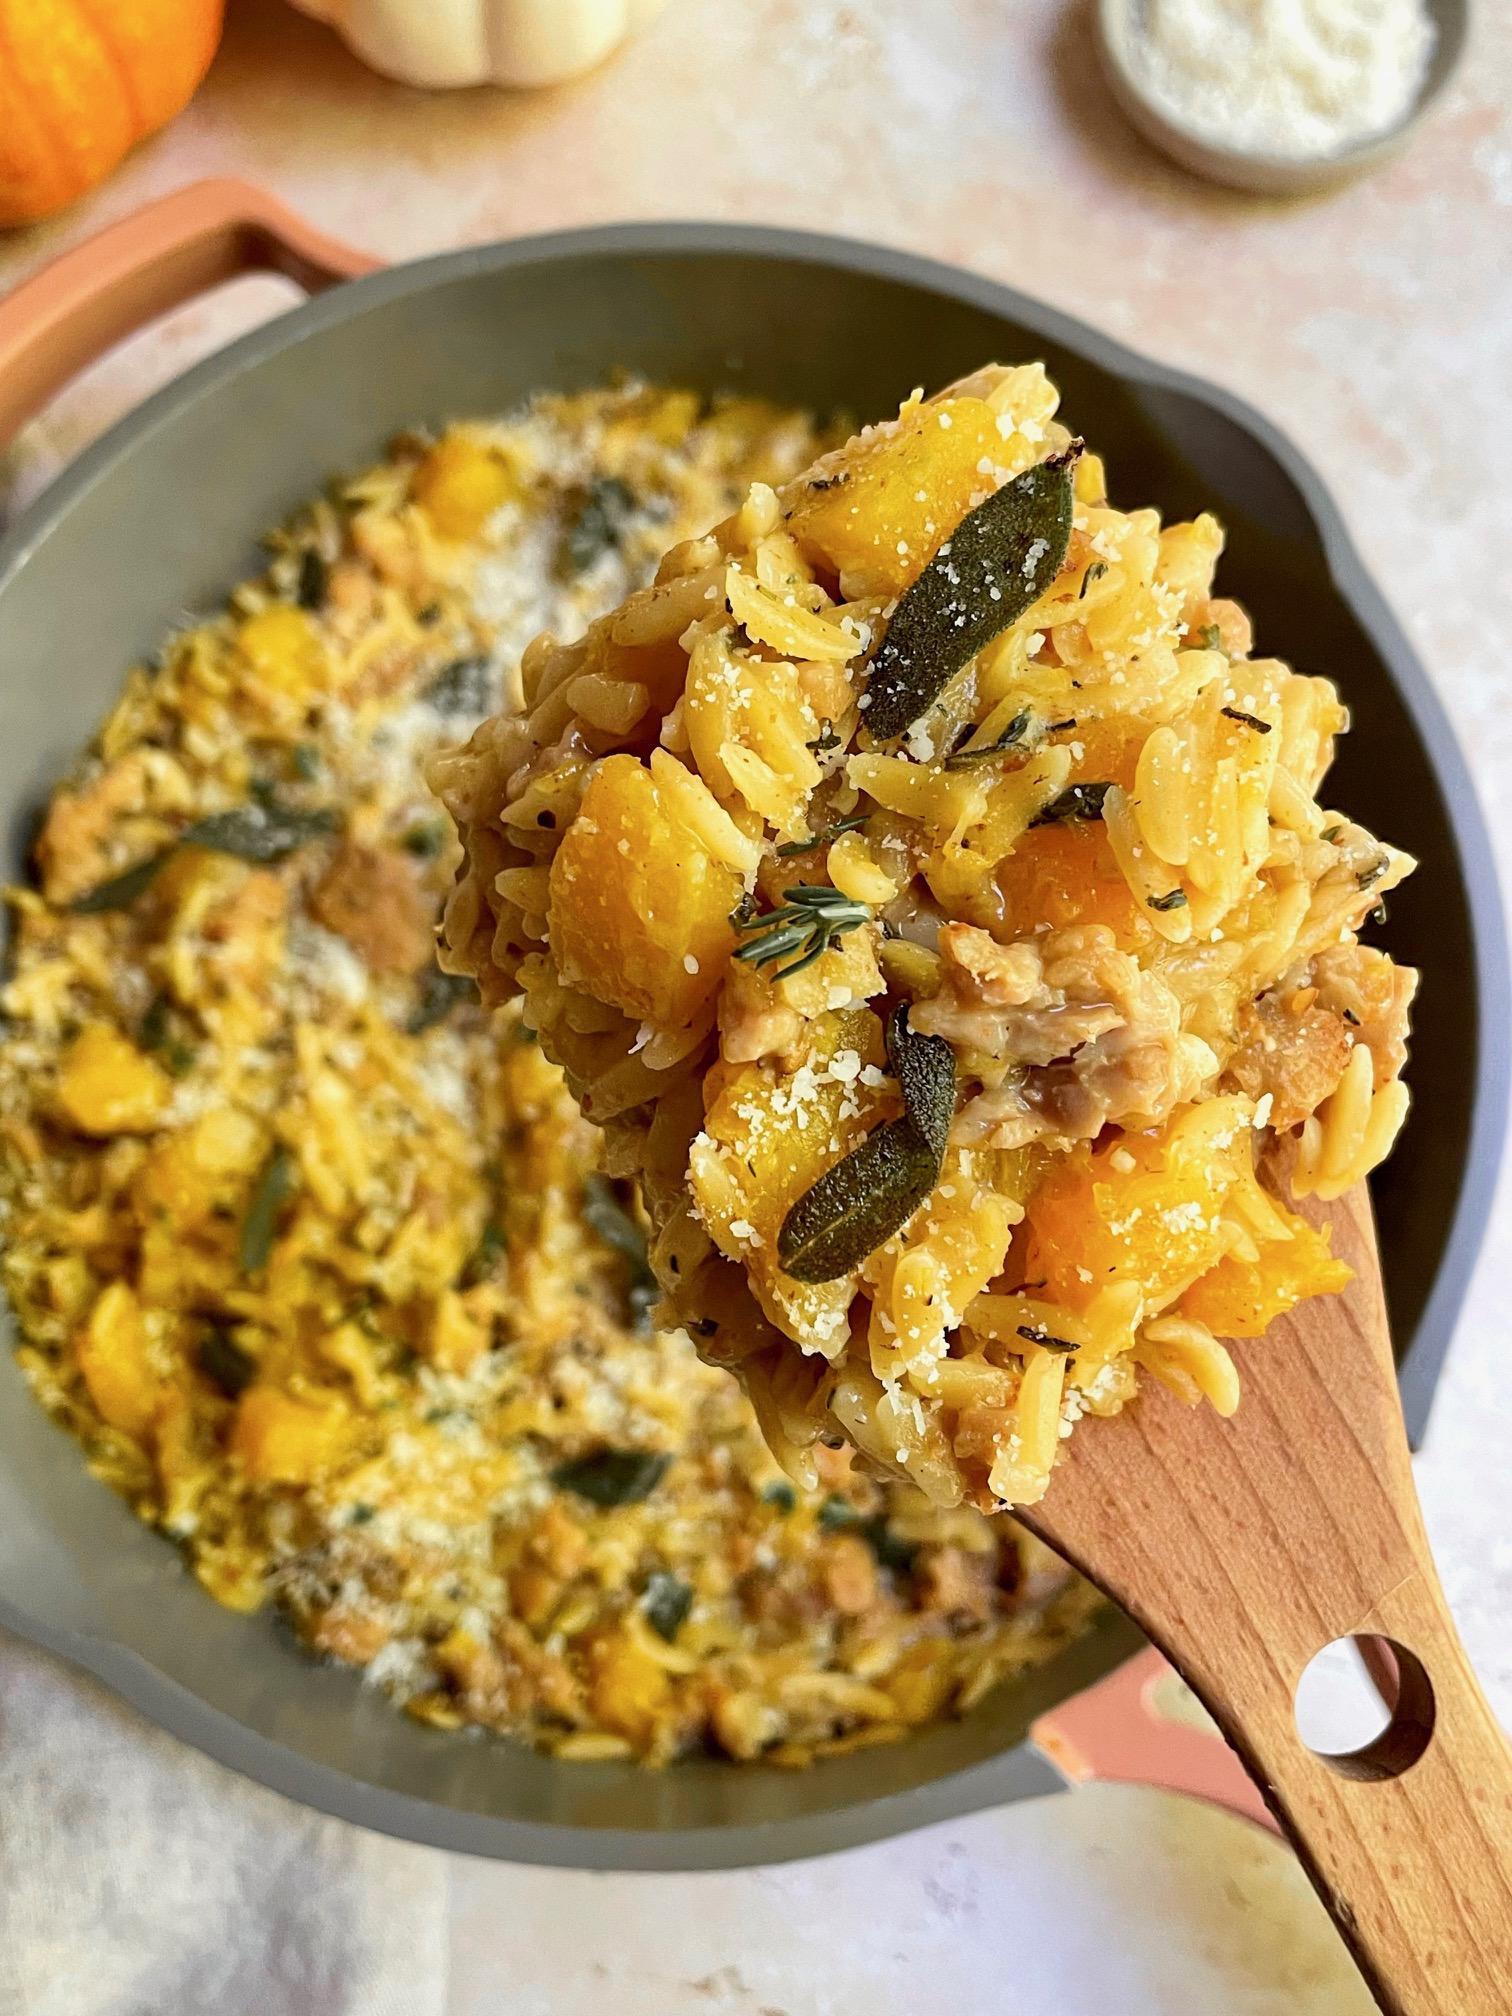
[{"x": 1288, "y": 79}]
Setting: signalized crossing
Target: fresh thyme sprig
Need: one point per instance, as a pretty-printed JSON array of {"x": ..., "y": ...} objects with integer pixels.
[{"x": 813, "y": 918}]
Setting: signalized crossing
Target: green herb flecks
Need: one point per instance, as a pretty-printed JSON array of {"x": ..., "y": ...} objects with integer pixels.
[
  {"x": 825, "y": 740},
  {"x": 1247, "y": 720},
  {"x": 810, "y": 921},
  {"x": 824, "y": 837},
  {"x": 435, "y": 997},
  {"x": 261, "y": 832},
  {"x": 996, "y": 564},
  {"x": 838, "y": 1515},
  {"x": 1011, "y": 737},
  {"x": 485, "y": 1256},
  {"x": 613, "y": 1476},
  {"x": 426, "y": 840},
  {"x": 1077, "y": 801},
  {"x": 666, "y": 1602},
  {"x": 224, "y": 1363},
  {"x": 466, "y": 686},
  {"x": 272, "y": 1190},
  {"x": 859, "y": 1204},
  {"x": 595, "y": 524},
  {"x": 780, "y": 1494},
  {"x": 306, "y": 760},
  {"x": 313, "y": 576},
  {"x": 1045, "y": 1340},
  {"x": 1174, "y": 899},
  {"x": 159, "y": 1034},
  {"x": 1372, "y": 872},
  {"x": 1094, "y": 573},
  {"x": 1210, "y": 637},
  {"x": 122, "y": 890},
  {"x": 604, "y": 1214}
]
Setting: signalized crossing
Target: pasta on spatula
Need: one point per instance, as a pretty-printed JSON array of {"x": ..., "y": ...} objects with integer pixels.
[{"x": 927, "y": 891}]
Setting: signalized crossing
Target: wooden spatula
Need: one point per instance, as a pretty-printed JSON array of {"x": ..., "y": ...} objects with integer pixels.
[{"x": 1243, "y": 1547}]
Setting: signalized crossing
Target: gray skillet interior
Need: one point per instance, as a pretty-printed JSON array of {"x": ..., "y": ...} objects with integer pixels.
[{"x": 164, "y": 514}]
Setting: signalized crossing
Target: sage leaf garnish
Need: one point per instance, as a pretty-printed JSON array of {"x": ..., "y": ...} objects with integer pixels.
[
  {"x": 781, "y": 1494},
  {"x": 856, "y": 1206},
  {"x": 436, "y": 996},
  {"x": 122, "y": 890},
  {"x": 838, "y": 1515},
  {"x": 604, "y": 1214},
  {"x": 271, "y": 1191},
  {"x": 613, "y": 1476},
  {"x": 1077, "y": 801},
  {"x": 259, "y": 832},
  {"x": 311, "y": 592},
  {"x": 811, "y": 919},
  {"x": 1174, "y": 899},
  {"x": 924, "y": 1067},
  {"x": 1094, "y": 573},
  {"x": 824, "y": 836},
  {"x": 667, "y": 1601},
  {"x": 466, "y": 686},
  {"x": 1012, "y": 735},
  {"x": 597, "y": 522},
  {"x": 996, "y": 564},
  {"x": 224, "y": 1363},
  {"x": 1372, "y": 872}
]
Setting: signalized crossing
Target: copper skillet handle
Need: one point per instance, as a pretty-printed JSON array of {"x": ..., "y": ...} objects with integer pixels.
[
  {"x": 94, "y": 295},
  {"x": 1120, "y": 1731}
]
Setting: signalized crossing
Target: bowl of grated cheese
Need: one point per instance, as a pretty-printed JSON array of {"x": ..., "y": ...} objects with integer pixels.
[{"x": 1280, "y": 100}]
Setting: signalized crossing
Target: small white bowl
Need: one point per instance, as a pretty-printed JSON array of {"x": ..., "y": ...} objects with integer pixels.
[{"x": 1267, "y": 174}]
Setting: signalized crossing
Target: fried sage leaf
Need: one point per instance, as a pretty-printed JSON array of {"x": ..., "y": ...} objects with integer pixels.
[
  {"x": 121, "y": 891},
  {"x": 856, "y": 1206},
  {"x": 436, "y": 996},
  {"x": 1011, "y": 737},
  {"x": 224, "y": 1363},
  {"x": 605, "y": 1215},
  {"x": 270, "y": 1193},
  {"x": 313, "y": 579},
  {"x": 613, "y": 1476},
  {"x": 924, "y": 1067},
  {"x": 466, "y": 686},
  {"x": 260, "y": 832},
  {"x": 998, "y": 562},
  {"x": 667, "y": 1601}
]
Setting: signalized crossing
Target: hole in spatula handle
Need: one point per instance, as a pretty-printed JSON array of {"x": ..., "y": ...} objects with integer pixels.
[{"x": 1364, "y": 1705}]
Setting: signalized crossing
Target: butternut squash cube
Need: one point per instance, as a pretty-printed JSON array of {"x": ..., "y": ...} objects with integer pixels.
[
  {"x": 113, "y": 1359},
  {"x": 282, "y": 1439},
  {"x": 460, "y": 485},
  {"x": 107, "y": 1086},
  {"x": 639, "y": 910},
  {"x": 894, "y": 496},
  {"x": 1240, "y": 1298}
]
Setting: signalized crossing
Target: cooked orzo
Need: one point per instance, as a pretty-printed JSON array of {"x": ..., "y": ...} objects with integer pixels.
[
  {"x": 314, "y": 1256},
  {"x": 928, "y": 890}
]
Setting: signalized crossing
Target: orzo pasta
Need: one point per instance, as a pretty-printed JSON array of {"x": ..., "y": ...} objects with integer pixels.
[
  {"x": 928, "y": 891},
  {"x": 314, "y": 1256}
]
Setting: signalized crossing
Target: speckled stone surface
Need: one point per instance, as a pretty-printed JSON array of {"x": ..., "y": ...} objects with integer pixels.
[{"x": 1376, "y": 327}]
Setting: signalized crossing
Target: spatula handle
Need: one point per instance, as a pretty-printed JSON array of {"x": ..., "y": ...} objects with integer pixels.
[{"x": 1242, "y": 1548}]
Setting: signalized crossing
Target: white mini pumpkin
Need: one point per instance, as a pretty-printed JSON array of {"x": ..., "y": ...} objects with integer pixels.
[{"x": 445, "y": 43}]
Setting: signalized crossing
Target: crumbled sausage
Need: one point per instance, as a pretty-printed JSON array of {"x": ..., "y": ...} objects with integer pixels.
[{"x": 372, "y": 897}]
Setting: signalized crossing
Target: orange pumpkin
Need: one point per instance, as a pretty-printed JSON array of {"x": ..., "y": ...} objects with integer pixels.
[{"x": 82, "y": 81}]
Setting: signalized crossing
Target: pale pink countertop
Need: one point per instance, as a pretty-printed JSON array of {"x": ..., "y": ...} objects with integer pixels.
[{"x": 1375, "y": 327}]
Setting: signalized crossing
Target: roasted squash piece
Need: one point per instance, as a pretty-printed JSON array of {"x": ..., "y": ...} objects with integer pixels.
[{"x": 639, "y": 909}]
